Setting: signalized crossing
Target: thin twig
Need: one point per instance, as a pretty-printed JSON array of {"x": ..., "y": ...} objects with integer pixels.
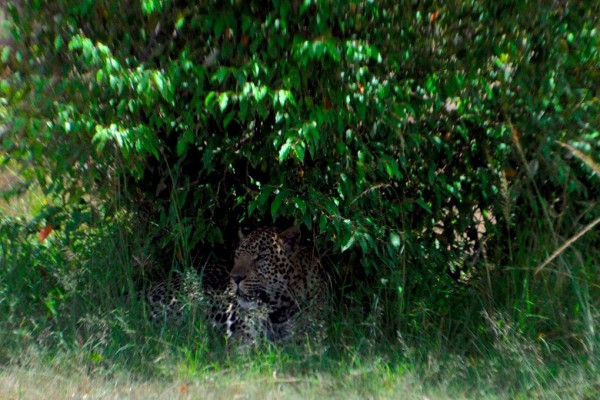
[
  {"x": 584, "y": 158},
  {"x": 566, "y": 244},
  {"x": 372, "y": 188}
]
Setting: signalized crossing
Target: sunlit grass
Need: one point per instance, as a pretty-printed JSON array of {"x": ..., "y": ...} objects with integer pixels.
[
  {"x": 265, "y": 376},
  {"x": 16, "y": 199},
  {"x": 20, "y": 383}
]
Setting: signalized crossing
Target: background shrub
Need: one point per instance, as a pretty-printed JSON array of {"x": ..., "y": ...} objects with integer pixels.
[{"x": 435, "y": 153}]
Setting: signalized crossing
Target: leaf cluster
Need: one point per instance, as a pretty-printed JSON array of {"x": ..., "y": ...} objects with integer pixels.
[{"x": 414, "y": 140}]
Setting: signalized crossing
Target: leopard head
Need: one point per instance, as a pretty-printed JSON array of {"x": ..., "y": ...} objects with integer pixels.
[{"x": 263, "y": 268}]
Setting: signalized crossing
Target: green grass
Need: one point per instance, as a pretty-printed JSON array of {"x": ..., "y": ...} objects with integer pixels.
[
  {"x": 73, "y": 324},
  {"x": 32, "y": 384},
  {"x": 271, "y": 374}
]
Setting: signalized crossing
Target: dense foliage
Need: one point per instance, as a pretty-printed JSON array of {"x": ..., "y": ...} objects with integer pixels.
[{"x": 437, "y": 152}]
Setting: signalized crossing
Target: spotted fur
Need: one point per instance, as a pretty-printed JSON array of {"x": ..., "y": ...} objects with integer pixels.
[
  {"x": 276, "y": 290},
  {"x": 169, "y": 301},
  {"x": 276, "y": 283}
]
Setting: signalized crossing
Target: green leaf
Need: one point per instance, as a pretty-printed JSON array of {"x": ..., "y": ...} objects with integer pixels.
[
  {"x": 348, "y": 242},
  {"x": 58, "y": 42},
  {"x": 228, "y": 118},
  {"x": 220, "y": 25},
  {"x": 149, "y": 6},
  {"x": 284, "y": 151},
  {"x": 182, "y": 146},
  {"x": 275, "y": 205},
  {"x": 300, "y": 204},
  {"x": 431, "y": 84},
  {"x": 210, "y": 99},
  {"x": 281, "y": 97},
  {"x": 423, "y": 205},
  {"x": 305, "y": 6},
  {"x": 299, "y": 150},
  {"x": 5, "y": 54},
  {"x": 180, "y": 22},
  {"x": 220, "y": 74},
  {"x": 223, "y": 101},
  {"x": 391, "y": 167},
  {"x": 322, "y": 223},
  {"x": 395, "y": 239},
  {"x": 307, "y": 220},
  {"x": 264, "y": 194}
]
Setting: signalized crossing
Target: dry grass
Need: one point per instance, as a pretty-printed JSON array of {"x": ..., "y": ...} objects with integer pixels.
[
  {"x": 17, "y": 205},
  {"x": 23, "y": 383}
]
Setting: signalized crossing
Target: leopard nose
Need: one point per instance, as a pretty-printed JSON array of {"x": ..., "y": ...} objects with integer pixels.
[{"x": 238, "y": 278}]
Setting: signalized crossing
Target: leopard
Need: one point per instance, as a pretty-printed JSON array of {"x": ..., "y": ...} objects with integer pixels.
[
  {"x": 279, "y": 288},
  {"x": 276, "y": 290},
  {"x": 170, "y": 300}
]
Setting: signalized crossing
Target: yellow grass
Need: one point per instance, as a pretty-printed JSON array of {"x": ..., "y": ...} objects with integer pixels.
[
  {"x": 24, "y": 383},
  {"x": 17, "y": 206}
]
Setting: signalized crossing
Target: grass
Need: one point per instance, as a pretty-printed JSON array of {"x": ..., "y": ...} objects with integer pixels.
[
  {"x": 33, "y": 384},
  {"x": 265, "y": 376},
  {"x": 73, "y": 324},
  {"x": 27, "y": 203}
]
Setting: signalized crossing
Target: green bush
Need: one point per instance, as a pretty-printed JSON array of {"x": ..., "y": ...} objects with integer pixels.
[{"x": 394, "y": 133}]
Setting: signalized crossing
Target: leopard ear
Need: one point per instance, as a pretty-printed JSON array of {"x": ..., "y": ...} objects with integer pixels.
[
  {"x": 241, "y": 234},
  {"x": 290, "y": 238}
]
